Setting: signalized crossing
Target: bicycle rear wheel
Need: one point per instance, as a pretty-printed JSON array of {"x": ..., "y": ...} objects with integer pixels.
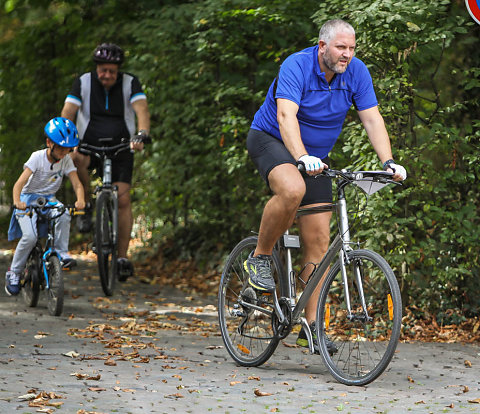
[
  {"x": 247, "y": 333},
  {"x": 366, "y": 340},
  {"x": 56, "y": 289},
  {"x": 31, "y": 279},
  {"x": 106, "y": 231}
]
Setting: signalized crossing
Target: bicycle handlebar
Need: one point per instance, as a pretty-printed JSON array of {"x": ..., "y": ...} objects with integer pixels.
[
  {"x": 99, "y": 151},
  {"x": 41, "y": 206},
  {"x": 351, "y": 176}
]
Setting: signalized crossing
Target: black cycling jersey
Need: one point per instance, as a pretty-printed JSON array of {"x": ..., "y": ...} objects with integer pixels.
[{"x": 105, "y": 113}]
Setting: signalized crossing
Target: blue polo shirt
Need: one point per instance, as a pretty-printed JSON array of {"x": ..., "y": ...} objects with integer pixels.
[{"x": 322, "y": 107}]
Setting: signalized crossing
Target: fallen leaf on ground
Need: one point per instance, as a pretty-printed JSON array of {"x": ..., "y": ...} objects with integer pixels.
[
  {"x": 71, "y": 354},
  {"x": 26, "y": 397},
  {"x": 177, "y": 395},
  {"x": 259, "y": 393}
]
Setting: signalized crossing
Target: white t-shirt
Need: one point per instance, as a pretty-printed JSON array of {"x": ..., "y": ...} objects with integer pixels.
[{"x": 47, "y": 177}]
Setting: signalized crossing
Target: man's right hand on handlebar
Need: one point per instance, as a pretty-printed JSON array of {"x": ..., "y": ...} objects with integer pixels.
[{"x": 313, "y": 165}]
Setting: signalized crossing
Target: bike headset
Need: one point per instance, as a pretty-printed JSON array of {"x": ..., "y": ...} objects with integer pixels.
[
  {"x": 108, "y": 53},
  {"x": 62, "y": 132}
]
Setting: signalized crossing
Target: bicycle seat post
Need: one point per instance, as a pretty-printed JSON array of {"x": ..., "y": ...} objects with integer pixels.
[{"x": 290, "y": 242}]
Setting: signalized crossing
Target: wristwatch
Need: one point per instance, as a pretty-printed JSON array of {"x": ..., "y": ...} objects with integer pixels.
[{"x": 387, "y": 163}]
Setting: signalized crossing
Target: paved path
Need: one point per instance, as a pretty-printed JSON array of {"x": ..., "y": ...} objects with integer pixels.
[{"x": 149, "y": 349}]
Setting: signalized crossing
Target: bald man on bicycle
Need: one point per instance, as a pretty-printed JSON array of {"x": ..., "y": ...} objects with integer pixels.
[
  {"x": 106, "y": 102},
  {"x": 299, "y": 122}
]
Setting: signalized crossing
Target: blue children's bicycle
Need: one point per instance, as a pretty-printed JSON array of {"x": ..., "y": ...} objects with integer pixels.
[{"x": 43, "y": 270}]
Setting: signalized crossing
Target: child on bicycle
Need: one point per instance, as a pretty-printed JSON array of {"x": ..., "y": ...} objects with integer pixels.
[{"x": 42, "y": 177}]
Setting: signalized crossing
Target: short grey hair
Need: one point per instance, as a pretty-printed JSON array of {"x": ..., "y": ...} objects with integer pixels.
[{"x": 332, "y": 27}]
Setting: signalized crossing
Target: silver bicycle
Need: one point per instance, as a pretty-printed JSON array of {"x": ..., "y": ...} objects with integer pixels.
[{"x": 359, "y": 307}]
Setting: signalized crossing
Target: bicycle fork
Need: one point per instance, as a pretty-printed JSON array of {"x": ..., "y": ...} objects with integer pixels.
[{"x": 344, "y": 261}]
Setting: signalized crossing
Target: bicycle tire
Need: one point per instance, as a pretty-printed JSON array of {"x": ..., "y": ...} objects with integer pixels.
[
  {"x": 364, "y": 347},
  {"x": 247, "y": 334},
  {"x": 31, "y": 278},
  {"x": 106, "y": 233},
  {"x": 55, "y": 291}
]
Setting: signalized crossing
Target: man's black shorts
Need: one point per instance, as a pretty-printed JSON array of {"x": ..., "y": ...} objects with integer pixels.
[
  {"x": 267, "y": 152},
  {"x": 122, "y": 167}
]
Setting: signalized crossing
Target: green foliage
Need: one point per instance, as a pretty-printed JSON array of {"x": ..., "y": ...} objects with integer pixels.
[
  {"x": 213, "y": 64},
  {"x": 206, "y": 66}
]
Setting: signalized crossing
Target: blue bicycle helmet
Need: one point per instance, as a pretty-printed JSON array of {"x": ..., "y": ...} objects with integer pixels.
[{"x": 62, "y": 132}]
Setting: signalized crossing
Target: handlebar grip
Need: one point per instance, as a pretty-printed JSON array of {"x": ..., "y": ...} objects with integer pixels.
[{"x": 301, "y": 166}]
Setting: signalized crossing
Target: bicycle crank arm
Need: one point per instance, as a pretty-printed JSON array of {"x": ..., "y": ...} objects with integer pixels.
[
  {"x": 278, "y": 310},
  {"x": 254, "y": 307}
]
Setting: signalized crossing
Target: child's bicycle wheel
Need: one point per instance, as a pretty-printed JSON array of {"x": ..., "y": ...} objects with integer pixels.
[
  {"x": 31, "y": 279},
  {"x": 55, "y": 291}
]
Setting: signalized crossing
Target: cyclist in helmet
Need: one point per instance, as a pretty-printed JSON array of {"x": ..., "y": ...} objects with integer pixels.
[
  {"x": 42, "y": 177},
  {"x": 105, "y": 103}
]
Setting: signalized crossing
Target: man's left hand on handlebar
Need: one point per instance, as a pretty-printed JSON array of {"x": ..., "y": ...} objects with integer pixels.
[
  {"x": 137, "y": 141},
  {"x": 399, "y": 172}
]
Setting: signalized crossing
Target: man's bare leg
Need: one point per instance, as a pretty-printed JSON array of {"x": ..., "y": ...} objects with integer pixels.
[
  {"x": 315, "y": 232},
  {"x": 125, "y": 218},
  {"x": 288, "y": 187}
]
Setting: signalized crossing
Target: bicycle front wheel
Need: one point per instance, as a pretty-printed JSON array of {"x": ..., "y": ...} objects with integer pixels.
[
  {"x": 106, "y": 231},
  {"x": 31, "y": 278},
  {"x": 56, "y": 289},
  {"x": 248, "y": 333},
  {"x": 365, "y": 338}
]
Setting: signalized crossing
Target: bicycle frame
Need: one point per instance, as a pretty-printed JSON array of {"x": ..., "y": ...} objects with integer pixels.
[
  {"x": 49, "y": 248},
  {"x": 340, "y": 245}
]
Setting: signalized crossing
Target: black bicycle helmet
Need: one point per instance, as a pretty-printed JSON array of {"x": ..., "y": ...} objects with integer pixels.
[{"x": 108, "y": 53}]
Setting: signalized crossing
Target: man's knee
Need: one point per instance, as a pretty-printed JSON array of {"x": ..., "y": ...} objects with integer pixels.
[
  {"x": 124, "y": 201},
  {"x": 287, "y": 183}
]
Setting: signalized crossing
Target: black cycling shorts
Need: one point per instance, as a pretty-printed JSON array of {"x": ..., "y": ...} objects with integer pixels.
[
  {"x": 122, "y": 167},
  {"x": 267, "y": 152}
]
